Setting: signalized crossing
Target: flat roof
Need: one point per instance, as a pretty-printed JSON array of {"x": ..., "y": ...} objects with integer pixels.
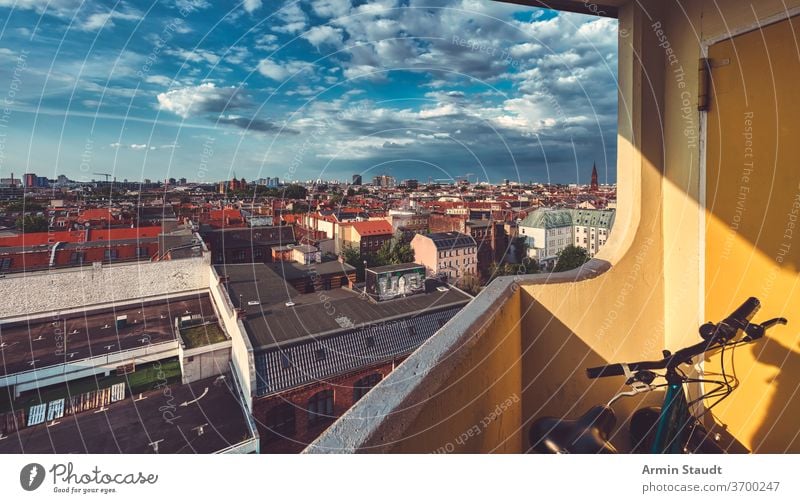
[
  {"x": 394, "y": 267},
  {"x": 43, "y": 342},
  {"x": 130, "y": 425},
  {"x": 270, "y": 323}
]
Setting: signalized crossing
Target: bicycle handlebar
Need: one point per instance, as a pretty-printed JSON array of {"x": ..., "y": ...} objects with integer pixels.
[{"x": 719, "y": 335}]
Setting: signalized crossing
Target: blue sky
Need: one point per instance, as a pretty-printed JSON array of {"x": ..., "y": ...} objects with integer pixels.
[{"x": 305, "y": 89}]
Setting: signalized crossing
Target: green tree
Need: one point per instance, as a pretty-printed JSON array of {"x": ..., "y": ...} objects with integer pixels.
[
  {"x": 31, "y": 223},
  {"x": 570, "y": 258},
  {"x": 470, "y": 284},
  {"x": 353, "y": 257},
  {"x": 395, "y": 251}
]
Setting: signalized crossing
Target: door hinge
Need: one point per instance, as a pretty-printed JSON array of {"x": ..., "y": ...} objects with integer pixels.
[
  {"x": 704, "y": 81},
  {"x": 703, "y": 84}
]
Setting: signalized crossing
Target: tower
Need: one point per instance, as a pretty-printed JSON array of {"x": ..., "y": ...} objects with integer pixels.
[{"x": 594, "y": 185}]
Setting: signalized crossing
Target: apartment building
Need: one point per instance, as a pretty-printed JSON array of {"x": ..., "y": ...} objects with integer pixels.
[{"x": 446, "y": 254}]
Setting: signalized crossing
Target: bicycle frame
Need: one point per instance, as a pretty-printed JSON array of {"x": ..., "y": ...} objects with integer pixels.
[{"x": 671, "y": 432}]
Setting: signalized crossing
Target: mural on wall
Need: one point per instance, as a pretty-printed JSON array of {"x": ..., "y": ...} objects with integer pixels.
[{"x": 392, "y": 284}]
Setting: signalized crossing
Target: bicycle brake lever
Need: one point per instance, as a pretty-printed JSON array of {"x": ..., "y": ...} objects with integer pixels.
[{"x": 775, "y": 321}]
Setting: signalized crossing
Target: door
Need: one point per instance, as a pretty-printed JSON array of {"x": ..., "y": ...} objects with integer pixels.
[{"x": 753, "y": 225}]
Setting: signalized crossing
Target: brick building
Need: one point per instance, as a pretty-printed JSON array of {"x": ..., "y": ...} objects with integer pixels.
[
  {"x": 245, "y": 245},
  {"x": 315, "y": 354}
]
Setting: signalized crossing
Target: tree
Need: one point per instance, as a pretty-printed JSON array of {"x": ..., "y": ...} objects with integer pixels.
[
  {"x": 353, "y": 257},
  {"x": 570, "y": 258},
  {"x": 395, "y": 251},
  {"x": 470, "y": 284},
  {"x": 32, "y": 223}
]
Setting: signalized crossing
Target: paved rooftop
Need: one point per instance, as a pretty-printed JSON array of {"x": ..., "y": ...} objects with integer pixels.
[
  {"x": 269, "y": 322},
  {"x": 43, "y": 342},
  {"x": 130, "y": 425}
]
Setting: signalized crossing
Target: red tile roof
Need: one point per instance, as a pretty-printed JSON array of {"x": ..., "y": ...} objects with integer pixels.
[
  {"x": 43, "y": 238},
  {"x": 373, "y": 227}
]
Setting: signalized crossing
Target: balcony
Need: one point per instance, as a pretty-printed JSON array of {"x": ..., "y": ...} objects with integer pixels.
[{"x": 682, "y": 252}]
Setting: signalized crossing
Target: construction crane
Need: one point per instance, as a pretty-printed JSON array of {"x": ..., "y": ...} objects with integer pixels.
[{"x": 107, "y": 175}]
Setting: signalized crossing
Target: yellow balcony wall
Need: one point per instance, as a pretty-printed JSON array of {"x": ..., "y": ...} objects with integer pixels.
[{"x": 646, "y": 290}]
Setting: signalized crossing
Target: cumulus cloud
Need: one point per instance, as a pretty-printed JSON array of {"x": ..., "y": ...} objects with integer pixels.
[
  {"x": 293, "y": 19},
  {"x": 251, "y": 5},
  {"x": 203, "y": 99},
  {"x": 319, "y": 35},
  {"x": 281, "y": 71}
]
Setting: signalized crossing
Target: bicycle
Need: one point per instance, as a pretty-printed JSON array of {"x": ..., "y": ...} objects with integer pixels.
[{"x": 670, "y": 428}]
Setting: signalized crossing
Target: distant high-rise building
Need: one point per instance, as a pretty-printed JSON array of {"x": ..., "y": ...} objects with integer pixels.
[
  {"x": 273, "y": 182},
  {"x": 171, "y": 181},
  {"x": 30, "y": 180},
  {"x": 183, "y": 181},
  {"x": 594, "y": 185},
  {"x": 411, "y": 183},
  {"x": 356, "y": 179},
  {"x": 383, "y": 181}
]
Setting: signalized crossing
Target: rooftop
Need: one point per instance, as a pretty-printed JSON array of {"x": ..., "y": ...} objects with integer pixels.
[
  {"x": 87, "y": 333},
  {"x": 291, "y": 366},
  {"x": 450, "y": 240},
  {"x": 394, "y": 267},
  {"x": 373, "y": 227},
  {"x": 211, "y": 419},
  {"x": 269, "y": 322}
]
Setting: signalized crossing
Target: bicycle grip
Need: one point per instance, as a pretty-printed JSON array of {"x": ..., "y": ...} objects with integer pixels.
[{"x": 605, "y": 371}]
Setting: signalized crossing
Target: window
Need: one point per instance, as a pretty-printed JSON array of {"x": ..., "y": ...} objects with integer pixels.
[
  {"x": 258, "y": 253},
  {"x": 239, "y": 255},
  {"x": 319, "y": 354},
  {"x": 280, "y": 421},
  {"x": 363, "y": 385},
  {"x": 76, "y": 258},
  {"x": 286, "y": 361},
  {"x": 110, "y": 254},
  {"x": 412, "y": 330},
  {"x": 320, "y": 407},
  {"x": 5, "y": 264},
  {"x": 141, "y": 251},
  {"x": 370, "y": 341}
]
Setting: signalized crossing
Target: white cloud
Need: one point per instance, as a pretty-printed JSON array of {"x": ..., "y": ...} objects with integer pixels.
[
  {"x": 330, "y": 8},
  {"x": 100, "y": 20},
  {"x": 293, "y": 17},
  {"x": 159, "y": 80},
  {"x": 195, "y": 56},
  {"x": 319, "y": 35},
  {"x": 202, "y": 99},
  {"x": 251, "y": 5},
  {"x": 267, "y": 42},
  {"x": 281, "y": 71}
]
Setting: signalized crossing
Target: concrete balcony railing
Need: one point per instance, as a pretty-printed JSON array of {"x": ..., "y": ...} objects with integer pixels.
[{"x": 478, "y": 383}]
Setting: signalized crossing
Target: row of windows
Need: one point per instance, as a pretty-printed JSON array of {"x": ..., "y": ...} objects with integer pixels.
[
  {"x": 282, "y": 419},
  {"x": 449, "y": 263},
  {"x": 456, "y": 253}
]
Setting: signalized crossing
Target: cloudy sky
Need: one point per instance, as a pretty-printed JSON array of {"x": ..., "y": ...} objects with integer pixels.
[{"x": 305, "y": 89}]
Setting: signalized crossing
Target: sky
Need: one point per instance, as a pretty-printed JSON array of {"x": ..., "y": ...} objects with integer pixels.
[{"x": 305, "y": 90}]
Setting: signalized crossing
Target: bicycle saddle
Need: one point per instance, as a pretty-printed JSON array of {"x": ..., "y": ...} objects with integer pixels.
[{"x": 587, "y": 434}]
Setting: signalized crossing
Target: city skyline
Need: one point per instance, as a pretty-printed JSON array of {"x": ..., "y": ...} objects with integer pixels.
[{"x": 308, "y": 90}]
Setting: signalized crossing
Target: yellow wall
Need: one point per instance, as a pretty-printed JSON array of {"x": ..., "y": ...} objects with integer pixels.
[
  {"x": 753, "y": 226},
  {"x": 658, "y": 244},
  {"x": 478, "y": 410}
]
